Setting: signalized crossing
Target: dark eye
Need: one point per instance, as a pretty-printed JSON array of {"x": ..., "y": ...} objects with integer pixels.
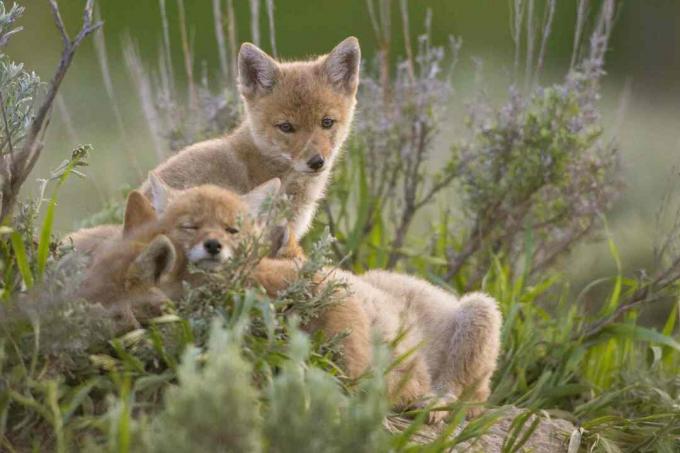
[
  {"x": 231, "y": 230},
  {"x": 286, "y": 127},
  {"x": 327, "y": 123}
]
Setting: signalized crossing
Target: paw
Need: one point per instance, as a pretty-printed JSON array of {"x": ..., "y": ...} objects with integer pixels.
[
  {"x": 438, "y": 403},
  {"x": 474, "y": 411},
  {"x": 435, "y": 417}
]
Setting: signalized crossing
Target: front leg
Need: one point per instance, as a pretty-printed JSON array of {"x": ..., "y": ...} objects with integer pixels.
[{"x": 275, "y": 275}]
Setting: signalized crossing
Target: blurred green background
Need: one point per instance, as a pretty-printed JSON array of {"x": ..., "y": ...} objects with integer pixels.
[{"x": 640, "y": 103}]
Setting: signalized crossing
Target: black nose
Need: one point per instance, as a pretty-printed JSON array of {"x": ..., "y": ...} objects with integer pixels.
[
  {"x": 316, "y": 162},
  {"x": 212, "y": 246}
]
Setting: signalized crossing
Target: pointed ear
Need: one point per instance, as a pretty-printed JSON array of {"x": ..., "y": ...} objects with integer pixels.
[
  {"x": 161, "y": 193},
  {"x": 256, "y": 197},
  {"x": 257, "y": 71},
  {"x": 138, "y": 212},
  {"x": 156, "y": 260},
  {"x": 342, "y": 65}
]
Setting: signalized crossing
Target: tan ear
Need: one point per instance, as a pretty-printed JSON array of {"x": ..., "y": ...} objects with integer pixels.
[
  {"x": 256, "y": 197},
  {"x": 161, "y": 193},
  {"x": 156, "y": 260},
  {"x": 257, "y": 71},
  {"x": 138, "y": 212},
  {"x": 342, "y": 65}
]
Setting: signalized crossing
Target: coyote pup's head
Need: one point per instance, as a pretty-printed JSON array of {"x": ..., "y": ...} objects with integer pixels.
[
  {"x": 134, "y": 278},
  {"x": 208, "y": 222},
  {"x": 299, "y": 113}
]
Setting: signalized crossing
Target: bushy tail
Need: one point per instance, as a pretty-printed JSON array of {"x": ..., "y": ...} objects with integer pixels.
[{"x": 475, "y": 343}]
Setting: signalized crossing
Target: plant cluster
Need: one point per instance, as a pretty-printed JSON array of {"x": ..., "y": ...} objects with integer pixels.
[{"x": 228, "y": 368}]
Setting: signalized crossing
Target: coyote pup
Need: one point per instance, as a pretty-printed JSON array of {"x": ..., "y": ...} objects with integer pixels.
[
  {"x": 135, "y": 274},
  {"x": 456, "y": 341},
  {"x": 297, "y": 116}
]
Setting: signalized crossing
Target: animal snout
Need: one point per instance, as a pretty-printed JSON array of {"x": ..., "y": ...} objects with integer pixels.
[
  {"x": 316, "y": 162},
  {"x": 212, "y": 246}
]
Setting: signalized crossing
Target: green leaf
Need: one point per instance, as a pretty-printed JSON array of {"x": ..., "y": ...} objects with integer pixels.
[
  {"x": 21, "y": 258},
  {"x": 77, "y": 158},
  {"x": 641, "y": 334}
]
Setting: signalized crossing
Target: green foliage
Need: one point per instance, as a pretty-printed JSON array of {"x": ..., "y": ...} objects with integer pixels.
[
  {"x": 18, "y": 88},
  {"x": 214, "y": 403},
  {"x": 227, "y": 369},
  {"x": 324, "y": 419}
]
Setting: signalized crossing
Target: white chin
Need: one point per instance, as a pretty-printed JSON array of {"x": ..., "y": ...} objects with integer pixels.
[
  {"x": 304, "y": 169},
  {"x": 198, "y": 256},
  {"x": 209, "y": 264}
]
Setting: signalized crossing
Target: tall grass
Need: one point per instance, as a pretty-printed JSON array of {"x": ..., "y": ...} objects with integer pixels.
[{"x": 227, "y": 368}]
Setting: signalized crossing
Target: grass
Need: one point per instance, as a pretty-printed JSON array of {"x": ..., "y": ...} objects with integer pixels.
[{"x": 227, "y": 368}]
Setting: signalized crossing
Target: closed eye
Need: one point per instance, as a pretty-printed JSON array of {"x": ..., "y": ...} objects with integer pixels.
[
  {"x": 231, "y": 230},
  {"x": 188, "y": 226}
]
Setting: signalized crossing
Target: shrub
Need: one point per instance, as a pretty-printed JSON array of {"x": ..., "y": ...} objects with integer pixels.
[{"x": 226, "y": 368}]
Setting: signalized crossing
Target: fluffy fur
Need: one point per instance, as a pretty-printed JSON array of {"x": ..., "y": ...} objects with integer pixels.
[
  {"x": 456, "y": 341},
  {"x": 302, "y": 94},
  {"x": 299, "y": 94}
]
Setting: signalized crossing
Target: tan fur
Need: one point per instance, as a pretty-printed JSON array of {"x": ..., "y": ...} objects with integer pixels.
[
  {"x": 457, "y": 341},
  {"x": 90, "y": 240},
  {"x": 460, "y": 337},
  {"x": 134, "y": 277},
  {"x": 301, "y": 93},
  {"x": 138, "y": 211},
  {"x": 453, "y": 343}
]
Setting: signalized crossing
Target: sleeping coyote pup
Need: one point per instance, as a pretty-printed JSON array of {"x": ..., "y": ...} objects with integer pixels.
[{"x": 451, "y": 344}]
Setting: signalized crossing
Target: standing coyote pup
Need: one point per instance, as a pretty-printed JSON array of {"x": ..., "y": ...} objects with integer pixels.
[{"x": 297, "y": 116}]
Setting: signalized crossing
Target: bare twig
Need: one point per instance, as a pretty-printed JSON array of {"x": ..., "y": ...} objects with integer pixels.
[
  {"x": 255, "y": 21},
  {"x": 647, "y": 293},
  {"x": 166, "y": 44},
  {"x": 381, "y": 25},
  {"x": 529, "y": 43},
  {"x": 24, "y": 160},
  {"x": 403, "y": 6},
  {"x": 662, "y": 248},
  {"x": 188, "y": 57},
  {"x": 332, "y": 229},
  {"x": 547, "y": 30},
  {"x": 4, "y": 39},
  {"x": 272, "y": 27},
  {"x": 232, "y": 33},
  {"x": 102, "y": 57},
  {"x": 219, "y": 36},
  {"x": 516, "y": 32},
  {"x": 143, "y": 84},
  {"x": 581, "y": 15},
  {"x": 60, "y": 23},
  {"x": 6, "y": 124}
]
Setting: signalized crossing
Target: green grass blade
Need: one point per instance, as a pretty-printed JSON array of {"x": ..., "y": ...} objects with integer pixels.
[{"x": 21, "y": 258}]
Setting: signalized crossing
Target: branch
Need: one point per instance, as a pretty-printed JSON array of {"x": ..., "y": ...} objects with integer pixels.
[
  {"x": 59, "y": 23},
  {"x": 6, "y": 37},
  {"x": 23, "y": 162},
  {"x": 332, "y": 229},
  {"x": 8, "y": 132},
  {"x": 668, "y": 277}
]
